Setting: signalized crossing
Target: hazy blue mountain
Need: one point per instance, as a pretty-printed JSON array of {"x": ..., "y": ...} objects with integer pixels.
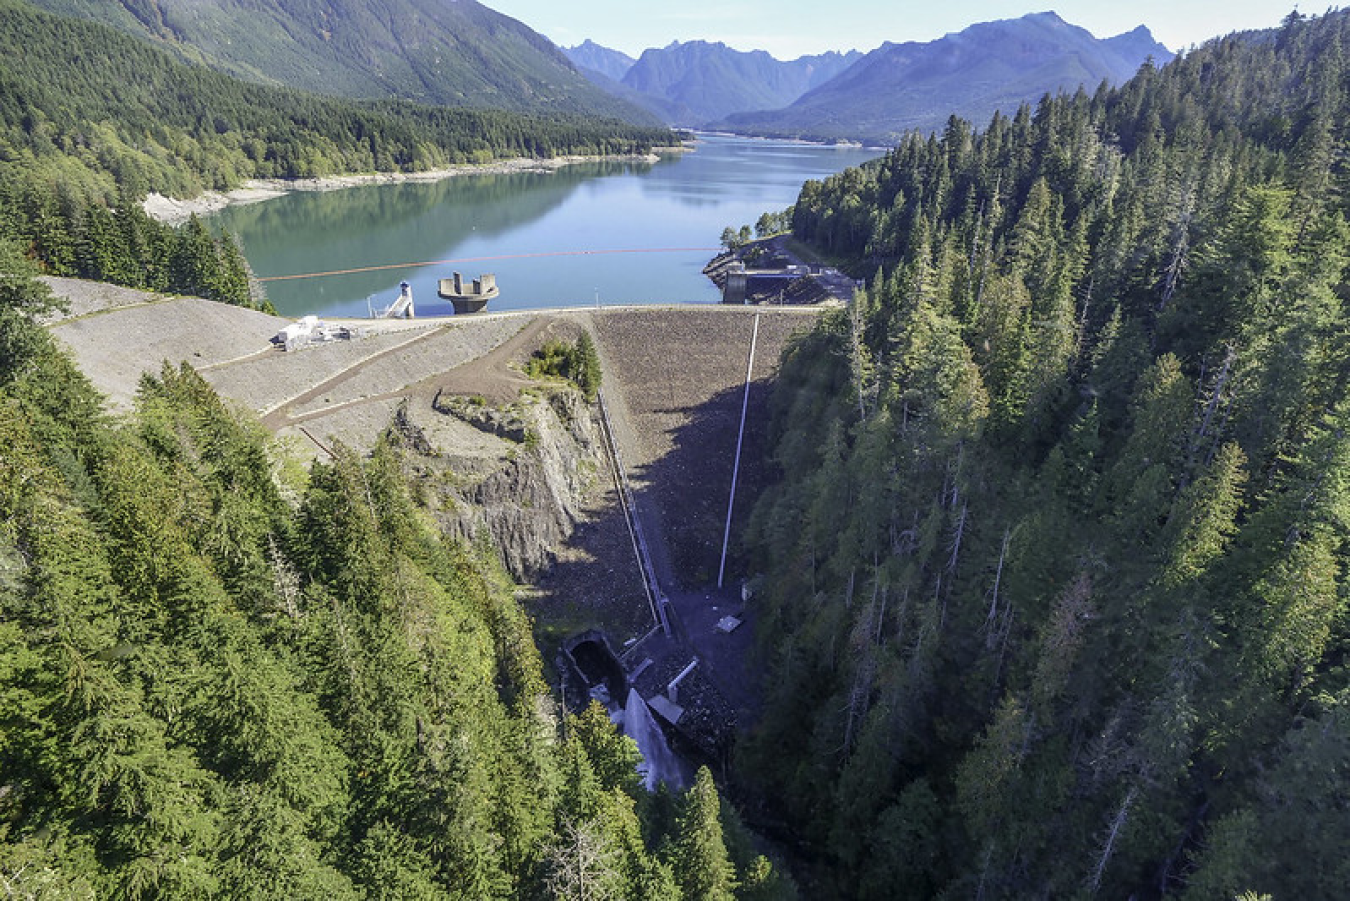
[
  {"x": 989, "y": 66},
  {"x": 1138, "y": 44},
  {"x": 457, "y": 53},
  {"x": 698, "y": 82},
  {"x": 591, "y": 57}
]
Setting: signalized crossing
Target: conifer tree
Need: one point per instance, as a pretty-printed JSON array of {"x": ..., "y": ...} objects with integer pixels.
[
  {"x": 698, "y": 854},
  {"x": 23, "y": 302}
]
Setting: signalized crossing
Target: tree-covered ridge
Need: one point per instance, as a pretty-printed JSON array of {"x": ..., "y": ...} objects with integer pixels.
[
  {"x": 428, "y": 51},
  {"x": 222, "y": 678},
  {"x": 1055, "y": 598},
  {"x": 86, "y": 99}
]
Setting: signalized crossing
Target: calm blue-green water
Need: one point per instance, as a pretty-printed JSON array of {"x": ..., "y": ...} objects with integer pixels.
[{"x": 595, "y": 232}]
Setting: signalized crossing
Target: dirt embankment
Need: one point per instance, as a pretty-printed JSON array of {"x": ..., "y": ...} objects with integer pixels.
[
  {"x": 676, "y": 379},
  {"x": 539, "y": 487},
  {"x": 498, "y": 454}
]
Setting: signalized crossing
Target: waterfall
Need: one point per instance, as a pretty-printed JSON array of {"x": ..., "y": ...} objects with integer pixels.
[{"x": 659, "y": 762}]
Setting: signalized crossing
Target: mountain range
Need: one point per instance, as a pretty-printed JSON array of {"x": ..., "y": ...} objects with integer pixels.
[
  {"x": 989, "y": 66},
  {"x": 464, "y": 54},
  {"x": 874, "y": 97},
  {"x": 457, "y": 53},
  {"x": 593, "y": 59},
  {"x": 697, "y": 82}
]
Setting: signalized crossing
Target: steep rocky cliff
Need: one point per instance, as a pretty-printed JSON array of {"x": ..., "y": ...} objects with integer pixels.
[{"x": 517, "y": 474}]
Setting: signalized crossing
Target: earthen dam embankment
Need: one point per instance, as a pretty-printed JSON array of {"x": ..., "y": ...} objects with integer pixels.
[
  {"x": 673, "y": 376},
  {"x": 500, "y": 452}
]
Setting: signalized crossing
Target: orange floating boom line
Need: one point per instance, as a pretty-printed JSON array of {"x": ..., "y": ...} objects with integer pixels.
[{"x": 508, "y": 256}]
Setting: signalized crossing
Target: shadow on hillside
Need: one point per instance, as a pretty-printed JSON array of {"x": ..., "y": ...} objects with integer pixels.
[
  {"x": 682, "y": 502},
  {"x": 594, "y": 582},
  {"x": 685, "y": 497},
  {"x": 685, "y": 493}
]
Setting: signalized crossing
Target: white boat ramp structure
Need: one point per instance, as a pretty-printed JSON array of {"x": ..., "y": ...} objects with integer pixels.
[{"x": 399, "y": 309}]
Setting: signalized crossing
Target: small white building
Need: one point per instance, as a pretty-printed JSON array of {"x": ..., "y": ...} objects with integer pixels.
[
  {"x": 299, "y": 333},
  {"x": 300, "y": 327}
]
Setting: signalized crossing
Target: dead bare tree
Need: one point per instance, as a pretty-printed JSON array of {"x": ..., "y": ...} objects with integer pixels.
[
  {"x": 860, "y": 366},
  {"x": 1112, "y": 836},
  {"x": 992, "y": 618},
  {"x": 582, "y": 866},
  {"x": 285, "y": 580},
  {"x": 1212, "y": 404},
  {"x": 1179, "y": 258},
  {"x": 958, "y": 533}
]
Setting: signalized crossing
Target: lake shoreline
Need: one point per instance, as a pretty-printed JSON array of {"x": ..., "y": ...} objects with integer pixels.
[
  {"x": 588, "y": 235},
  {"x": 174, "y": 211}
]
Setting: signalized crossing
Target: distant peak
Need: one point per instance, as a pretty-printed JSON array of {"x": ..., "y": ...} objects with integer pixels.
[
  {"x": 1047, "y": 19},
  {"x": 1140, "y": 37},
  {"x": 675, "y": 45},
  {"x": 1139, "y": 31}
]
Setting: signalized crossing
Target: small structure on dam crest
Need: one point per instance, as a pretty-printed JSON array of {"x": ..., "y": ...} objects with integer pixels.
[
  {"x": 310, "y": 330},
  {"x": 402, "y": 308},
  {"x": 468, "y": 298}
]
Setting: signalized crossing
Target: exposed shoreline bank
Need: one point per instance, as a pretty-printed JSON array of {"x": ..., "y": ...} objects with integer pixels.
[{"x": 173, "y": 211}]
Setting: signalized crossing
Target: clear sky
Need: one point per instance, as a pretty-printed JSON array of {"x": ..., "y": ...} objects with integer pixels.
[{"x": 792, "y": 28}]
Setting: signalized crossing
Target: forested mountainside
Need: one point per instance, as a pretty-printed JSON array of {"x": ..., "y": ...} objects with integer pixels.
[
  {"x": 224, "y": 676},
  {"x": 426, "y": 51},
  {"x": 91, "y": 120},
  {"x": 987, "y": 67},
  {"x": 1055, "y": 581}
]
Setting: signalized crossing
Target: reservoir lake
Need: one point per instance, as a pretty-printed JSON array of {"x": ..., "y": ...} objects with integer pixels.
[{"x": 588, "y": 234}]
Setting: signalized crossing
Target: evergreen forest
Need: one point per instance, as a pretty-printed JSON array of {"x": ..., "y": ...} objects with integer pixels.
[
  {"x": 1054, "y": 595},
  {"x": 1055, "y": 577},
  {"x": 224, "y": 676}
]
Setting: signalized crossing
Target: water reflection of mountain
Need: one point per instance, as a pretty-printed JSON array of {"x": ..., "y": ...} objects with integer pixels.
[
  {"x": 316, "y": 231},
  {"x": 379, "y": 225}
]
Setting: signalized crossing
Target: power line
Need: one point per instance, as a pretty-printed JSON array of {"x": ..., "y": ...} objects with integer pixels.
[{"x": 507, "y": 256}]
